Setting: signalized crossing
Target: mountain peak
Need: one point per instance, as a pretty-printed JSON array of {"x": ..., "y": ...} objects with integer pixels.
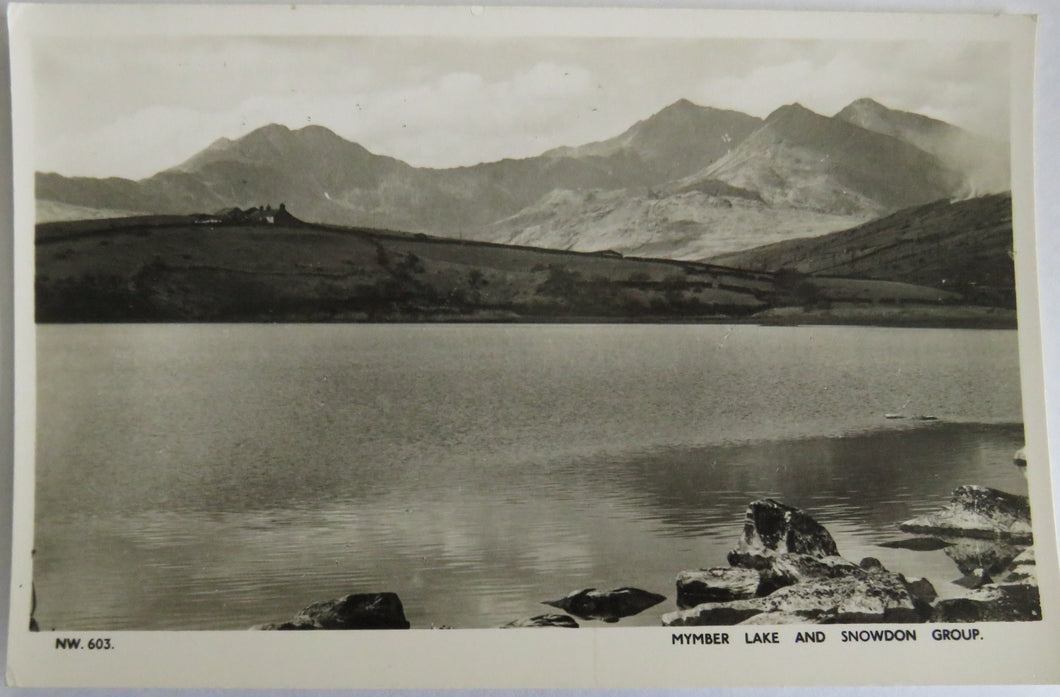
[
  {"x": 789, "y": 110},
  {"x": 866, "y": 102},
  {"x": 681, "y": 104}
]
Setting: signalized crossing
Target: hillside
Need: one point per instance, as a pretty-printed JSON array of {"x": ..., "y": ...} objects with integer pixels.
[
  {"x": 212, "y": 269},
  {"x": 676, "y": 223},
  {"x": 964, "y": 246}
]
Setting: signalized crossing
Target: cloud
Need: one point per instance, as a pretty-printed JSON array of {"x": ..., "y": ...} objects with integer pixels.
[
  {"x": 130, "y": 108},
  {"x": 966, "y": 85}
]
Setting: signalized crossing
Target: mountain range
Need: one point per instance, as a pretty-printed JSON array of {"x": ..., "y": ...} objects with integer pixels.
[{"x": 689, "y": 182}]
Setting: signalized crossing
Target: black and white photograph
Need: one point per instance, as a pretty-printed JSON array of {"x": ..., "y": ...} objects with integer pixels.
[{"x": 351, "y": 327}]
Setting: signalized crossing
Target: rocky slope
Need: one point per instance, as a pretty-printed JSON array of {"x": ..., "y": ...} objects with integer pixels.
[{"x": 964, "y": 246}]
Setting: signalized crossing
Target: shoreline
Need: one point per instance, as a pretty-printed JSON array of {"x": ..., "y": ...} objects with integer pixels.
[{"x": 926, "y": 317}]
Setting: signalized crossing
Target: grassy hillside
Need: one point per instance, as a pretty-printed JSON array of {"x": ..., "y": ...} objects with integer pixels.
[
  {"x": 963, "y": 247},
  {"x": 192, "y": 269}
]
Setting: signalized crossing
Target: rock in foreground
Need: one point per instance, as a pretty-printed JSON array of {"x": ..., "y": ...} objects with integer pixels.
[
  {"x": 978, "y": 511},
  {"x": 771, "y": 527},
  {"x": 355, "y": 611},
  {"x": 716, "y": 585},
  {"x": 876, "y": 597},
  {"x": 1006, "y": 602},
  {"x": 550, "y": 620},
  {"x": 609, "y": 606}
]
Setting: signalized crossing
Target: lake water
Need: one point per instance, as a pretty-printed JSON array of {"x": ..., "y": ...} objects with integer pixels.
[{"x": 220, "y": 476}]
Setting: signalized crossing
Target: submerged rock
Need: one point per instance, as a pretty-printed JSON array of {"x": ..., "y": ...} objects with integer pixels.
[
  {"x": 771, "y": 527},
  {"x": 1004, "y": 602},
  {"x": 917, "y": 544},
  {"x": 355, "y": 611},
  {"x": 978, "y": 511},
  {"x": 609, "y": 606},
  {"x": 550, "y": 620},
  {"x": 716, "y": 585}
]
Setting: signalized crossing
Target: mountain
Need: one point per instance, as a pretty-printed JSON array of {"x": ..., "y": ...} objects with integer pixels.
[
  {"x": 678, "y": 141},
  {"x": 330, "y": 179},
  {"x": 688, "y": 182},
  {"x": 963, "y": 246},
  {"x": 984, "y": 161},
  {"x": 798, "y": 174},
  {"x": 802, "y": 159}
]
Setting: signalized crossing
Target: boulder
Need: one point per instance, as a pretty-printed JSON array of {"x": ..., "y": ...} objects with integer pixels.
[
  {"x": 715, "y": 614},
  {"x": 1020, "y": 457},
  {"x": 550, "y": 620},
  {"x": 788, "y": 569},
  {"x": 974, "y": 580},
  {"x": 876, "y": 597},
  {"x": 921, "y": 590},
  {"x": 999, "y": 602},
  {"x": 609, "y": 606},
  {"x": 790, "y": 618},
  {"x": 355, "y": 611},
  {"x": 978, "y": 511},
  {"x": 1022, "y": 569},
  {"x": 991, "y": 555},
  {"x": 771, "y": 527},
  {"x": 715, "y": 585}
]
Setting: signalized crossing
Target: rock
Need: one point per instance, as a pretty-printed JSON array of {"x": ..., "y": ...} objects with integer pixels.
[
  {"x": 790, "y": 618},
  {"x": 715, "y": 585},
  {"x": 788, "y": 569},
  {"x": 921, "y": 590},
  {"x": 917, "y": 544},
  {"x": 1009, "y": 602},
  {"x": 871, "y": 564},
  {"x": 771, "y": 527},
  {"x": 977, "y": 579},
  {"x": 715, "y": 614},
  {"x": 550, "y": 620},
  {"x": 978, "y": 511},
  {"x": 991, "y": 555},
  {"x": 877, "y": 597},
  {"x": 1022, "y": 569},
  {"x": 609, "y": 606},
  {"x": 1020, "y": 457},
  {"x": 355, "y": 611}
]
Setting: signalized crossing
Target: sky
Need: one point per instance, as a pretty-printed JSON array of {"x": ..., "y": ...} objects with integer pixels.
[{"x": 131, "y": 107}]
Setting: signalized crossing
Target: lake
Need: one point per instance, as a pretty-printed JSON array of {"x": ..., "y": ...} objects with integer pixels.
[{"x": 221, "y": 476}]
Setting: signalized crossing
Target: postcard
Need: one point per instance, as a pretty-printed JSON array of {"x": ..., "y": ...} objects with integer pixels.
[{"x": 580, "y": 347}]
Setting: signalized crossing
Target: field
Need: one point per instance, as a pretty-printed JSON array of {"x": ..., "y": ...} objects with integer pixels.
[{"x": 199, "y": 269}]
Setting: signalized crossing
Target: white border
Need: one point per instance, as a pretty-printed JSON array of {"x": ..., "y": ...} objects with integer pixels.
[{"x": 613, "y": 657}]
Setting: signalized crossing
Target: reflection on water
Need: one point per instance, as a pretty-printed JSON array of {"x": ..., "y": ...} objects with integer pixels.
[{"x": 217, "y": 477}]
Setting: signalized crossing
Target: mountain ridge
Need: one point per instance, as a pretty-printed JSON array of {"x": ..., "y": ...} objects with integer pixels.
[{"x": 677, "y": 182}]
